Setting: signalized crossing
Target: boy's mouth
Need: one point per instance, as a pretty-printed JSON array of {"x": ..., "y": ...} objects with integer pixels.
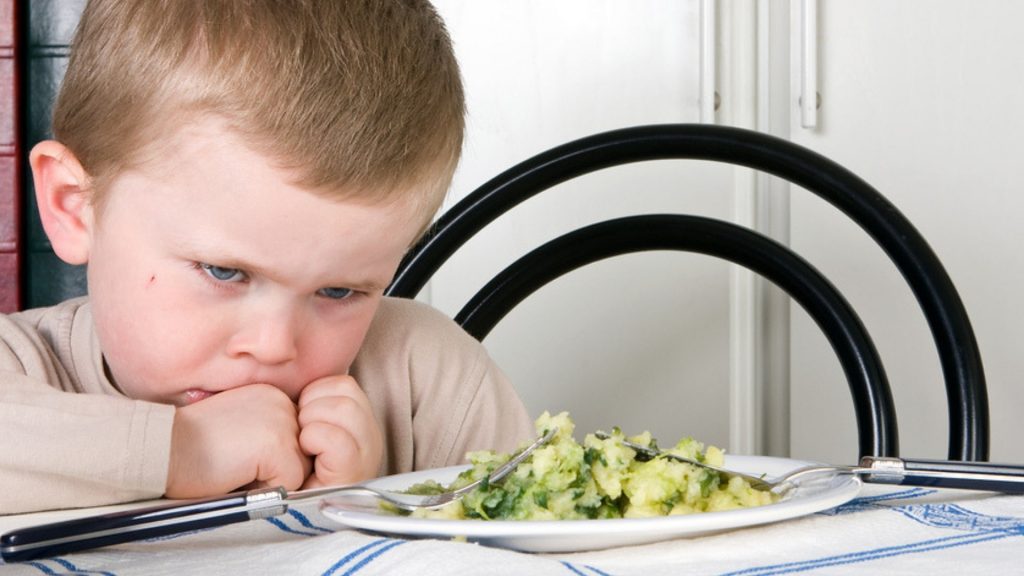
[{"x": 195, "y": 395}]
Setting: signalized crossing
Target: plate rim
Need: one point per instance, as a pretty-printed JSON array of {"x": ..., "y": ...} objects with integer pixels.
[{"x": 516, "y": 534}]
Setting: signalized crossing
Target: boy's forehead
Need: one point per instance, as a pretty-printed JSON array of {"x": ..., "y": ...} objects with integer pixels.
[
  {"x": 230, "y": 208},
  {"x": 204, "y": 163},
  {"x": 199, "y": 139},
  {"x": 191, "y": 141}
]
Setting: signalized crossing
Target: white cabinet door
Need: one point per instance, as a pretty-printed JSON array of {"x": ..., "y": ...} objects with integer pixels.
[
  {"x": 921, "y": 98},
  {"x": 639, "y": 341}
]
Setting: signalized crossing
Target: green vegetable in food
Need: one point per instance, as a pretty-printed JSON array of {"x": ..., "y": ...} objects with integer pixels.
[{"x": 565, "y": 480}]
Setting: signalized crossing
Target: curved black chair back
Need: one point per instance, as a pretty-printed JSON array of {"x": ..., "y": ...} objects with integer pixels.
[{"x": 961, "y": 361}]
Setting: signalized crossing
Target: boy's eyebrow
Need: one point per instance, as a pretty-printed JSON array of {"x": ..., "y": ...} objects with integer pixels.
[{"x": 362, "y": 285}]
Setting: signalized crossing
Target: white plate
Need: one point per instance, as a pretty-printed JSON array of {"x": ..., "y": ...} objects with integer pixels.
[{"x": 577, "y": 535}]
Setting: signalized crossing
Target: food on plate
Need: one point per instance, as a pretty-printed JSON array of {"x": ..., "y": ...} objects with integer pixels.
[{"x": 565, "y": 480}]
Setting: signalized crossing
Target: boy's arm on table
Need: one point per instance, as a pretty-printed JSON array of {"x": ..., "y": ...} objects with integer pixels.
[
  {"x": 70, "y": 439},
  {"x": 71, "y": 450},
  {"x": 67, "y": 450}
]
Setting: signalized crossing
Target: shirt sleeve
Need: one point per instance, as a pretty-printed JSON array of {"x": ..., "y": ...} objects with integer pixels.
[
  {"x": 435, "y": 391},
  {"x": 66, "y": 449},
  {"x": 492, "y": 417}
]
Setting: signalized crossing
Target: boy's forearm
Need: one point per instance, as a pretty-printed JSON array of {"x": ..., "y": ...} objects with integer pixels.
[{"x": 94, "y": 449}]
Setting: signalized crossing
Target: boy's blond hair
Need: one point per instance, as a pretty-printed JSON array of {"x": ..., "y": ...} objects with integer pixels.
[{"x": 356, "y": 95}]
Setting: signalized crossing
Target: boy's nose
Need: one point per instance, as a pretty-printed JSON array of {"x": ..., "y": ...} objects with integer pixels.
[{"x": 268, "y": 338}]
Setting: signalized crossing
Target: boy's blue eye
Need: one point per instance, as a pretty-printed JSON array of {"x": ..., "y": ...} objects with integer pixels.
[
  {"x": 222, "y": 274},
  {"x": 335, "y": 293}
]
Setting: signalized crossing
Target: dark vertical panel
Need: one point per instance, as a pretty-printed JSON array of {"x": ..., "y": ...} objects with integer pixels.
[
  {"x": 10, "y": 193},
  {"x": 49, "y": 29}
]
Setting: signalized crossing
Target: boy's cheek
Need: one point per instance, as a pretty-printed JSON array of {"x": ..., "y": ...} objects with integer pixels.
[
  {"x": 325, "y": 362},
  {"x": 169, "y": 343},
  {"x": 331, "y": 352}
]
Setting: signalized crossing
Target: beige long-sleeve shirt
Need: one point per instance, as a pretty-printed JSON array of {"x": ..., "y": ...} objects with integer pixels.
[{"x": 70, "y": 438}]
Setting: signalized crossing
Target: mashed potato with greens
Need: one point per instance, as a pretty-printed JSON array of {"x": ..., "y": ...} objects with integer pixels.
[{"x": 565, "y": 480}]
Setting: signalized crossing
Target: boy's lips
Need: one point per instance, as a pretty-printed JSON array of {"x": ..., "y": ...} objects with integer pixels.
[{"x": 195, "y": 395}]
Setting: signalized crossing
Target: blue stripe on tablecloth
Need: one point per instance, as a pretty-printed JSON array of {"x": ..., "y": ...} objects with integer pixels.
[
  {"x": 915, "y": 492},
  {"x": 39, "y": 565},
  {"x": 876, "y": 554},
  {"x": 67, "y": 564},
  {"x": 572, "y": 568},
  {"x": 286, "y": 528},
  {"x": 576, "y": 570},
  {"x": 873, "y": 502},
  {"x": 304, "y": 521},
  {"x": 382, "y": 545},
  {"x": 956, "y": 517},
  {"x": 369, "y": 558}
]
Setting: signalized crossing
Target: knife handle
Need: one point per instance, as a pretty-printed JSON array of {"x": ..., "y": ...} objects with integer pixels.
[
  {"x": 138, "y": 524},
  {"x": 945, "y": 474}
]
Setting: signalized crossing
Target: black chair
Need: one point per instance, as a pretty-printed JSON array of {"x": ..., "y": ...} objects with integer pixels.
[{"x": 875, "y": 414}]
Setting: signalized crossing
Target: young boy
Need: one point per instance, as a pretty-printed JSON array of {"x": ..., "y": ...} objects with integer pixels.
[{"x": 243, "y": 178}]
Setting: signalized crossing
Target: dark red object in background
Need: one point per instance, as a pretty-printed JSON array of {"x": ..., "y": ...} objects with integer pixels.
[{"x": 10, "y": 189}]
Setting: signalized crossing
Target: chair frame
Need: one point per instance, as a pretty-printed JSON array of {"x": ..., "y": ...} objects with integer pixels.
[{"x": 943, "y": 309}]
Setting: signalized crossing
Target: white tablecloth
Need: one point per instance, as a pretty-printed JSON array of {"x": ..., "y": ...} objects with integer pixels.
[{"x": 886, "y": 530}]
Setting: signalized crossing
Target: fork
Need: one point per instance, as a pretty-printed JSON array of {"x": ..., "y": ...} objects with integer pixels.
[
  {"x": 138, "y": 524},
  {"x": 1007, "y": 478},
  {"x": 411, "y": 502},
  {"x": 645, "y": 453}
]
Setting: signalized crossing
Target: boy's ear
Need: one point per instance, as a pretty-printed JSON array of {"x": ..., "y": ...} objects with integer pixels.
[{"x": 62, "y": 194}]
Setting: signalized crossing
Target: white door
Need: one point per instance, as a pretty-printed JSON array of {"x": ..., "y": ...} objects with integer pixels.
[{"x": 921, "y": 98}]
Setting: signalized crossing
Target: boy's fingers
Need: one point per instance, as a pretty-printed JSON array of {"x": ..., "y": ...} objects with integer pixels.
[
  {"x": 338, "y": 410},
  {"x": 339, "y": 430},
  {"x": 331, "y": 386},
  {"x": 290, "y": 471},
  {"x": 221, "y": 443},
  {"x": 339, "y": 459},
  {"x": 340, "y": 443}
]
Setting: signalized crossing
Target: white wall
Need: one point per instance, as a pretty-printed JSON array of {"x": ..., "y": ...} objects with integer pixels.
[
  {"x": 639, "y": 341},
  {"x": 919, "y": 97}
]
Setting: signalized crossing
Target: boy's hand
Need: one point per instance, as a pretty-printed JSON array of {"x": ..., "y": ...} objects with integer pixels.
[
  {"x": 339, "y": 431},
  {"x": 246, "y": 436}
]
